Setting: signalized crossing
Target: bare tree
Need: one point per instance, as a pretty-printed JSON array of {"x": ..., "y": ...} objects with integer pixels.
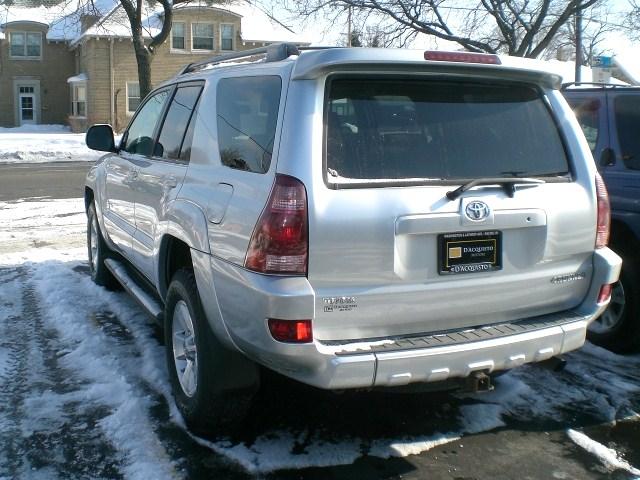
[
  {"x": 632, "y": 21},
  {"x": 371, "y": 37},
  {"x": 144, "y": 50},
  {"x": 596, "y": 26},
  {"x": 524, "y": 28}
]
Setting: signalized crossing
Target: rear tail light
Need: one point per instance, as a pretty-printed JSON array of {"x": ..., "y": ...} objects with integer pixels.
[
  {"x": 604, "y": 213},
  {"x": 462, "y": 57},
  {"x": 291, "y": 331},
  {"x": 605, "y": 293},
  {"x": 279, "y": 243}
]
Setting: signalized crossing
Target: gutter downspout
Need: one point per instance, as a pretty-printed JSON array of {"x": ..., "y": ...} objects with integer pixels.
[{"x": 111, "y": 82}]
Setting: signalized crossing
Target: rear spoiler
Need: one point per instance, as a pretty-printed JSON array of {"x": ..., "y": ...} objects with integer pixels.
[{"x": 317, "y": 63}]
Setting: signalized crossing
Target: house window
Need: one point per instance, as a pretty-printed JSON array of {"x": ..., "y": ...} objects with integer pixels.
[
  {"x": 26, "y": 44},
  {"x": 79, "y": 100},
  {"x": 202, "y": 36},
  {"x": 133, "y": 97},
  {"x": 177, "y": 35},
  {"x": 226, "y": 36}
]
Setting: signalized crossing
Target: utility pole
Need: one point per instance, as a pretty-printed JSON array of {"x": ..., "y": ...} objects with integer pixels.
[
  {"x": 349, "y": 27},
  {"x": 579, "y": 42}
]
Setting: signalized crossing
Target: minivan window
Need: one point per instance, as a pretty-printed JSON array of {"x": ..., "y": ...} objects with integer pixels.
[
  {"x": 399, "y": 129},
  {"x": 139, "y": 138},
  {"x": 247, "y": 118},
  {"x": 587, "y": 111},
  {"x": 627, "y": 108},
  {"x": 176, "y": 122}
]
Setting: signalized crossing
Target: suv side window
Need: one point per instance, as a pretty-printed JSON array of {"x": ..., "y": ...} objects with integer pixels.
[
  {"x": 172, "y": 137},
  {"x": 139, "y": 138},
  {"x": 587, "y": 112},
  {"x": 247, "y": 118},
  {"x": 627, "y": 110}
]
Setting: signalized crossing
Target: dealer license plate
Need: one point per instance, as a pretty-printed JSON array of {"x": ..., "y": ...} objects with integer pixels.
[{"x": 469, "y": 252}]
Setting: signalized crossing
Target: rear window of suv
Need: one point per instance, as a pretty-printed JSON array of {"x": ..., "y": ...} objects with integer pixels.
[{"x": 399, "y": 129}]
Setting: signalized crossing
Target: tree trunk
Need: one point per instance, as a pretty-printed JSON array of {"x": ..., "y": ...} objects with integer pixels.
[
  {"x": 143, "y": 59},
  {"x": 144, "y": 52}
]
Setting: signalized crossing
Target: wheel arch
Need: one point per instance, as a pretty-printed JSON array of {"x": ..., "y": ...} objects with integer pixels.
[
  {"x": 88, "y": 197},
  {"x": 624, "y": 239},
  {"x": 185, "y": 228},
  {"x": 174, "y": 254}
]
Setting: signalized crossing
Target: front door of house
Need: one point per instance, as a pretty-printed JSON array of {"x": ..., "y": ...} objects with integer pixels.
[{"x": 27, "y": 108}]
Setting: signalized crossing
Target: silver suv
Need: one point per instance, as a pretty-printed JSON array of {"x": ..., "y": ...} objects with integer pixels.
[{"x": 351, "y": 218}]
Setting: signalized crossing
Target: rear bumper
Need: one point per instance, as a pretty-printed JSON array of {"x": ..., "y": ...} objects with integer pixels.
[
  {"x": 441, "y": 363},
  {"x": 247, "y": 299}
]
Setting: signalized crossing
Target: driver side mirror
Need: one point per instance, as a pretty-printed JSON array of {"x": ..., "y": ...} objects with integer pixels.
[{"x": 100, "y": 137}]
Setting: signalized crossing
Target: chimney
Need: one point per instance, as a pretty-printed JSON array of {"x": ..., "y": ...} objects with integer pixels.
[{"x": 87, "y": 21}]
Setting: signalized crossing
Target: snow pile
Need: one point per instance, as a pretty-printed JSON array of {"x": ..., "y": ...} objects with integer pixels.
[
  {"x": 40, "y": 128},
  {"x": 595, "y": 383},
  {"x": 116, "y": 375},
  {"x": 606, "y": 455},
  {"x": 43, "y": 143}
]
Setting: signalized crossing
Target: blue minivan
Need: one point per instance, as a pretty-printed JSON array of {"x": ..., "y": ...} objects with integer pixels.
[{"x": 610, "y": 118}]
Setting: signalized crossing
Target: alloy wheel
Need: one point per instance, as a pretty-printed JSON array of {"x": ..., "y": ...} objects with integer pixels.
[{"x": 185, "y": 352}]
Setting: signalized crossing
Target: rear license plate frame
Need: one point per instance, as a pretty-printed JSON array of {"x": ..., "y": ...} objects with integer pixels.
[{"x": 469, "y": 252}]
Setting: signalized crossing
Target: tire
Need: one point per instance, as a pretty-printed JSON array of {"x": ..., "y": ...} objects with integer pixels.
[
  {"x": 98, "y": 252},
  {"x": 197, "y": 363},
  {"x": 618, "y": 328}
]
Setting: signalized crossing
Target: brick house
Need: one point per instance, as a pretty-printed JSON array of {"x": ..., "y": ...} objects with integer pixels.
[{"x": 68, "y": 67}]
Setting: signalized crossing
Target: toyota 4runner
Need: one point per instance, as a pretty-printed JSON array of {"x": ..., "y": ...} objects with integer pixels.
[{"x": 351, "y": 218}]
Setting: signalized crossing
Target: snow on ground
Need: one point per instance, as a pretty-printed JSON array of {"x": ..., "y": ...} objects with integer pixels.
[
  {"x": 43, "y": 143},
  {"x": 607, "y": 456},
  {"x": 115, "y": 365},
  {"x": 26, "y": 225}
]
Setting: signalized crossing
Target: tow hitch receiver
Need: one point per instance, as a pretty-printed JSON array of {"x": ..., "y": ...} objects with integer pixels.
[
  {"x": 555, "y": 364},
  {"x": 479, "y": 382}
]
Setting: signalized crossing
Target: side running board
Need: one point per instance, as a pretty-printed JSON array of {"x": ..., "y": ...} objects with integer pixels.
[{"x": 147, "y": 301}]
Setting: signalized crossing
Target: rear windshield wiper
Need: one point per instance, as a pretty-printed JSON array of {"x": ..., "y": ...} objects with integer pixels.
[{"x": 507, "y": 183}]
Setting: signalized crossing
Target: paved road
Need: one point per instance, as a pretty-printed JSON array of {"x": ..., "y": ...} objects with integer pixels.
[{"x": 48, "y": 180}]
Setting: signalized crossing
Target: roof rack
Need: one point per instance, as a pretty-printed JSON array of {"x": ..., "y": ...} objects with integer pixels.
[
  {"x": 272, "y": 53},
  {"x": 593, "y": 84}
]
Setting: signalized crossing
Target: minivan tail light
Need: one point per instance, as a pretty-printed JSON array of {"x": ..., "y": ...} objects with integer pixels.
[
  {"x": 605, "y": 293},
  {"x": 462, "y": 57},
  {"x": 604, "y": 213},
  {"x": 279, "y": 242}
]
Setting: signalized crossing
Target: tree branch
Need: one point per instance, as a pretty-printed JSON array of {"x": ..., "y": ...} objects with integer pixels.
[{"x": 166, "y": 25}]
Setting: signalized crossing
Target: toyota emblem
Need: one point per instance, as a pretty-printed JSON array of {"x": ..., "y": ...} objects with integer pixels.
[{"x": 477, "y": 210}]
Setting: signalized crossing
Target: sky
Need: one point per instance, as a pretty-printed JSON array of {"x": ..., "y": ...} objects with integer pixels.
[
  {"x": 329, "y": 30},
  {"x": 324, "y": 31}
]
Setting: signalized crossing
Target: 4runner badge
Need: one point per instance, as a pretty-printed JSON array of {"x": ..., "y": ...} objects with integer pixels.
[
  {"x": 569, "y": 277},
  {"x": 339, "y": 304}
]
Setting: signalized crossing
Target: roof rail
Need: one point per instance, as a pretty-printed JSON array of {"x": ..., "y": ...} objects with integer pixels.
[
  {"x": 272, "y": 53},
  {"x": 593, "y": 84}
]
